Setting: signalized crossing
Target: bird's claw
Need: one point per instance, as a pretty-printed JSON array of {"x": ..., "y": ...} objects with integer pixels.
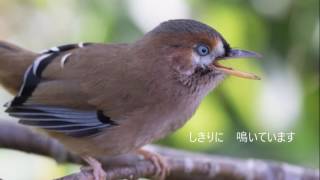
[
  {"x": 96, "y": 168},
  {"x": 161, "y": 166}
]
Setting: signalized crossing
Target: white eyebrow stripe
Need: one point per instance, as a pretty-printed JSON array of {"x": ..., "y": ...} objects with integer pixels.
[
  {"x": 64, "y": 59},
  {"x": 219, "y": 49},
  {"x": 37, "y": 62}
]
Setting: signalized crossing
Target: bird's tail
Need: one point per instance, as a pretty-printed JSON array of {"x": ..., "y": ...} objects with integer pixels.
[{"x": 14, "y": 61}]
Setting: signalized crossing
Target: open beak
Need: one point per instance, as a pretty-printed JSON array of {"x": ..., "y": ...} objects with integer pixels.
[{"x": 236, "y": 53}]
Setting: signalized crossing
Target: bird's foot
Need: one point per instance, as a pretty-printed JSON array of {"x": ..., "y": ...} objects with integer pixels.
[
  {"x": 162, "y": 169},
  {"x": 95, "y": 166}
]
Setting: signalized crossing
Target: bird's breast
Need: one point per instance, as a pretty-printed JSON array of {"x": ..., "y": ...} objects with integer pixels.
[{"x": 164, "y": 119}]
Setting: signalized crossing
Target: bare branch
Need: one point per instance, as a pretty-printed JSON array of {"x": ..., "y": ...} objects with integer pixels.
[{"x": 183, "y": 165}]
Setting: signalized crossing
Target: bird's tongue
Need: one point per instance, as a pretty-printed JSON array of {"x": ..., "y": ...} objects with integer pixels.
[{"x": 234, "y": 72}]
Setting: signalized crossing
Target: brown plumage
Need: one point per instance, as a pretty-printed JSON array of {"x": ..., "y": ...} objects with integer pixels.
[
  {"x": 13, "y": 63},
  {"x": 133, "y": 93}
]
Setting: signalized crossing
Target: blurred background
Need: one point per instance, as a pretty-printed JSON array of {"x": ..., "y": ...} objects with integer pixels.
[{"x": 285, "y": 32}]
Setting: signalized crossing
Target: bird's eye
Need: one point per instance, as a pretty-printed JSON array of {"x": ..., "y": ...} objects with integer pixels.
[{"x": 202, "y": 50}]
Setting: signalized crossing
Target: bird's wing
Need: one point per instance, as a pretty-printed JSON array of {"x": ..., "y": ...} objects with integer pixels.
[
  {"x": 59, "y": 86},
  {"x": 69, "y": 121}
]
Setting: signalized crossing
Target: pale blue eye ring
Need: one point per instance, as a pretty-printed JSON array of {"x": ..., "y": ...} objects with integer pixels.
[{"x": 202, "y": 50}]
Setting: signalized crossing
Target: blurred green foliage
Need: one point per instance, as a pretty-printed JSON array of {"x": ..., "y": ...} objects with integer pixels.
[{"x": 285, "y": 32}]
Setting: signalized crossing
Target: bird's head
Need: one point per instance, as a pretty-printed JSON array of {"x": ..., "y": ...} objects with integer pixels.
[{"x": 195, "y": 49}]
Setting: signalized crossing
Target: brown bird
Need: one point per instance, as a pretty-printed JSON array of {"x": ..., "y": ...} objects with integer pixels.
[{"x": 111, "y": 99}]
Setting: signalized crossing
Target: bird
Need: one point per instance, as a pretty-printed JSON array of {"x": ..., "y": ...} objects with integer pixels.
[{"x": 109, "y": 99}]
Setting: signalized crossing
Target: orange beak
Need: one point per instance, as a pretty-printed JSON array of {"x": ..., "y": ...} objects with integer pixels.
[{"x": 236, "y": 53}]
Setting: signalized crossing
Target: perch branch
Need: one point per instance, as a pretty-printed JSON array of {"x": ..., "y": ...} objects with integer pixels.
[{"x": 183, "y": 165}]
